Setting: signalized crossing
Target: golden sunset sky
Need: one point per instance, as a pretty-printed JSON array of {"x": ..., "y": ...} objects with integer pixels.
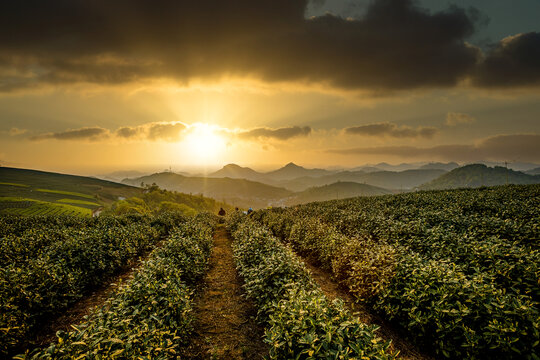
[{"x": 94, "y": 86}]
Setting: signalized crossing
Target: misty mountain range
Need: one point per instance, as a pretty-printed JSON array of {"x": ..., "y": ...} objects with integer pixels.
[{"x": 293, "y": 184}]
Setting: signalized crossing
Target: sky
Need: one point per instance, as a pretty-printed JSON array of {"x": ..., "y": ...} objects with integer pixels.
[{"x": 89, "y": 87}]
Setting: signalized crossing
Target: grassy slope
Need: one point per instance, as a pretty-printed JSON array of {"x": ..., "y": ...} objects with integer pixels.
[{"x": 57, "y": 193}]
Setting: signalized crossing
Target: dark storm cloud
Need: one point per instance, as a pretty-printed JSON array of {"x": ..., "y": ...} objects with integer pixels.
[
  {"x": 515, "y": 61},
  {"x": 392, "y": 130},
  {"x": 88, "y": 133},
  {"x": 278, "y": 134},
  {"x": 397, "y": 45},
  {"x": 501, "y": 147}
]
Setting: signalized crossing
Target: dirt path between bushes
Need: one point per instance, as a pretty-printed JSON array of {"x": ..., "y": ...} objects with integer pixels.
[
  {"x": 225, "y": 325},
  {"x": 332, "y": 290},
  {"x": 75, "y": 314}
]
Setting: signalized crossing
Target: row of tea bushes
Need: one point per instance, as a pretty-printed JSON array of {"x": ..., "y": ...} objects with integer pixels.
[
  {"x": 442, "y": 276},
  {"x": 301, "y": 323},
  {"x": 51, "y": 270},
  {"x": 151, "y": 316}
]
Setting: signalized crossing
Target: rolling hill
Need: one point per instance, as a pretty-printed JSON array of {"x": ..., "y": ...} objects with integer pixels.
[
  {"x": 337, "y": 190},
  {"x": 238, "y": 192},
  {"x": 293, "y": 171},
  {"x": 234, "y": 171},
  {"x": 399, "y": 180},
  {"x": 535, "y": 171},
  {"x": 476, "y": 175},
  {"x": 24, "y": 191}
]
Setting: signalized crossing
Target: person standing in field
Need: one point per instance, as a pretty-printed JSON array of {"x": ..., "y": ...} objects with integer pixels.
[{"x": 221, "y": 212}]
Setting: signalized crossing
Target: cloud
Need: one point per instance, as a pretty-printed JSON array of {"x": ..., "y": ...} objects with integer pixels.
[
  {"x": 159, "y": 131},
  {"x": 396, "y": 45},
  {"x": 514, "y": 61},
  {"x": 87, "y": 133},
  {"x": 454, "y": 119},
  {"x": 16, "y": 131},
  {"x": 392, "y": 130},
  {"x": 166, "y": 131},
  {"x": 170, "y": 132},
  {"x": 278, "y": 134},
  {"x": 521, "y": 147}
]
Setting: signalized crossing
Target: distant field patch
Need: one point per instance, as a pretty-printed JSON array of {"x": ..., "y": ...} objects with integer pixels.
[
  {"x": 79, "y": 202},
  {"x": 13, "y": 184},
  {"x": 26, "y": 207},
  {"x": 69, "y": 193}
]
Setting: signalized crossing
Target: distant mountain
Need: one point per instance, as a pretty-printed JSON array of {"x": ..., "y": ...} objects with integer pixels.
[
  {"x": 442, "y": 166},
  {"x": 234, "y": 171},
  {"x": 476, "y": 175},
  {"x": 399, "y": 180},
  {"x": 535, "y": 171},
  {"x": 366, "y": 169},
  {"x": 514, "y": 165},
  {"x": 338, "y": 190},
  {"x": 238, "y": 192},
  {"x": 293, "y": 171},
  {"x": 119, "y": 175}
]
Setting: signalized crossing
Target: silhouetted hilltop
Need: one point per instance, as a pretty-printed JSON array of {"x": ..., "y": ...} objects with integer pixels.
[
  {"x": 239, "y": 192},
  {"x": 236, "y": 172},
  {"x": 476, "y": 175},
  {"x": 338, "y": 190}
]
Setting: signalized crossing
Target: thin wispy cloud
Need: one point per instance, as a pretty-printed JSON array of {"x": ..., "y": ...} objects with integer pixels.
[
  {"x": 277, "y": 134},
  {"x": 454, "y": 119},
  {"x": 83, "y": 134},
  {"x": 392, "y": 130}
]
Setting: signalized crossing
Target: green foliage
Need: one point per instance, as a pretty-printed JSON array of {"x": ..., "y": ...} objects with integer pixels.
[
  {"x": 457, "y": 270},
  {"x": 30, "y": 207},
  {"x": 301, "y": 322},
  {"x": 155, "y": 201},
  {"x": 61, "y": 192},
  {"x": 50, "y": 265},
  {"x": 151, "y": 316}
]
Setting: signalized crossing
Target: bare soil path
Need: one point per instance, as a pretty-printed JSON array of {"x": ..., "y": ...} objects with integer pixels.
[
  {"x": 332, "y": 290},
  {"x": 226, "y": 326},
  {"x": 76, "y": 313}
]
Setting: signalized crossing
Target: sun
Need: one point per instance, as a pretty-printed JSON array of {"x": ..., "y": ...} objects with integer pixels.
[{"x": 203, "y": 143}]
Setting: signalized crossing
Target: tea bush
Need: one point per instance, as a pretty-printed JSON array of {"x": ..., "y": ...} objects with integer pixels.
[
  {"x": 301, "y": 323},
  {"x": 151, "y": 316}
]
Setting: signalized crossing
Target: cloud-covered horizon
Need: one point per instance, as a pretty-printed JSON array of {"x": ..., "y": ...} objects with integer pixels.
[
  {"x": 396, "y": 46},
  {"x": 169, "y": 132},
  {"x": 517, "y": 147},
  {"x": 392, "y": 130}
]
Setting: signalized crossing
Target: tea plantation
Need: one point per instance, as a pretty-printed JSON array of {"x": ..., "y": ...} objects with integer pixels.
[{"x": 458, "y": 271}]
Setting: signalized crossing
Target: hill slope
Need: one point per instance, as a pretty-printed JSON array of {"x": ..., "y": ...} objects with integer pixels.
[
  {"x": 24, "y": 191},
  {"x": 236, "y": 172},
  {"x": 407, "y": 179},
  {"x": 239, "y": 192},
  {"x": 293, "y": 171},
  {"x": 476, "y": 175},
  {"x": 338, "y": 190}
]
